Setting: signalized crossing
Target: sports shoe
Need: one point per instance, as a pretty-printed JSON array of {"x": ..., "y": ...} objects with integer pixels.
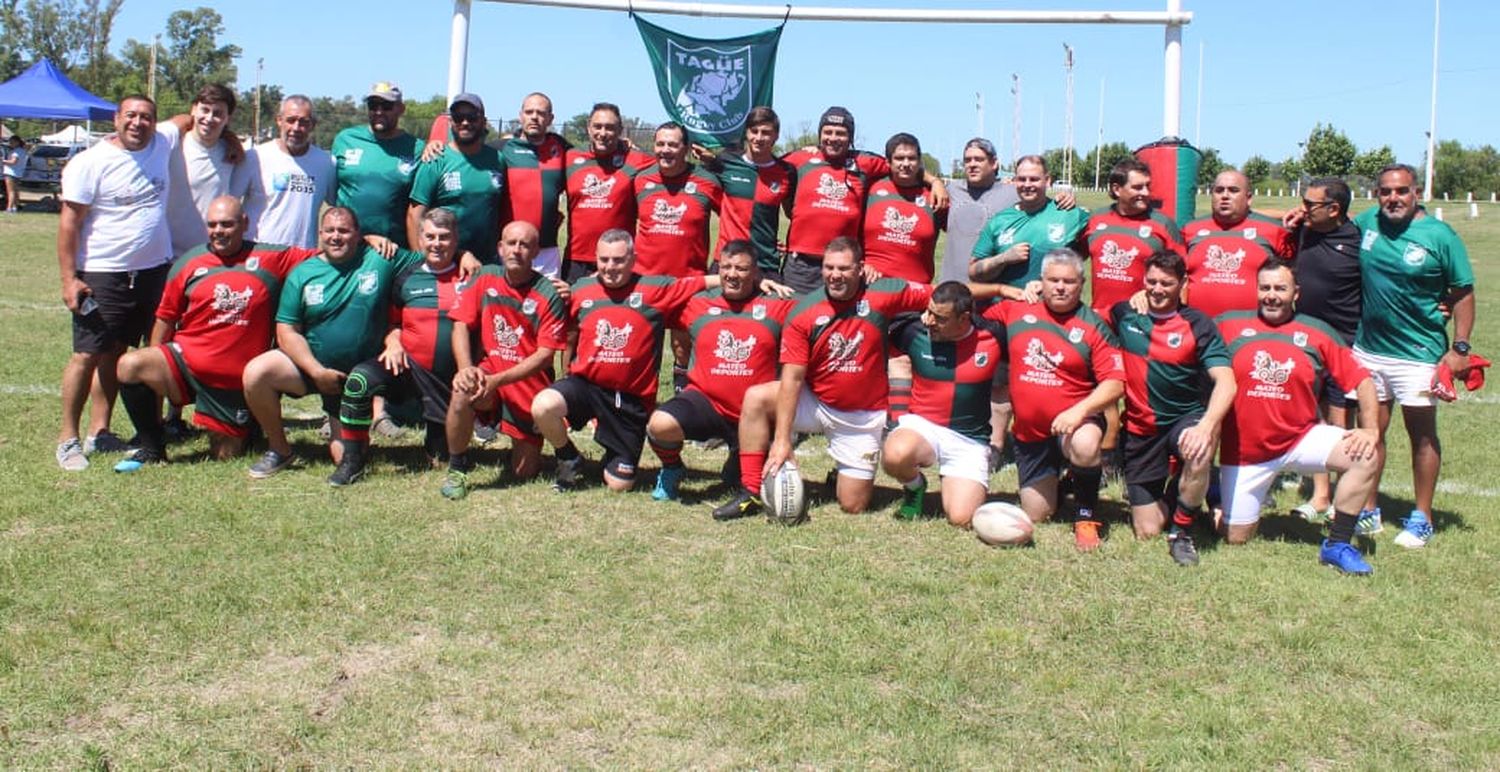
[
  {"x": 1415, "y": 531},
  {"x": 667, "y": 482},
  {"x": 568, "y": 473},
  {"x": 351, "y": 467},
  {"x": 104, "y": 442},
  {"x": 456, "y": 486},
  {"x": 138, "y": 458},
  {"x": 177, "y": 431},
  {"x": 911, "y": 500},
  {"x": 385, "y": 428},
  {"x": 1343, "y": 556},
  {"x": 1312, "y": 514},
  {"x": 484, "y": 434},
  {"x": 1369, "y": 522},
  {"x": 70, "y": 455},
  {"x": 269, "y": 464},
  {"x": 1180, "y": 547},
  {"x": 744, "y": 504},
  {"x": 1086, "y": 535}
]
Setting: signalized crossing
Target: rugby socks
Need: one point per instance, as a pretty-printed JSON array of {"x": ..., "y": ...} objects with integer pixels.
[
  {"x": 670, "y": 453},
  {"x": 459, "y": 462},
  {"x": 900, "y": 400},
  {"x": 566, "y": 452},
  {"x": 1342, "y": 527},
  {"x": 1183, "y": 517},
  {"x": 142, "y": 405},
  {"x": 356, "y": 410},
  {"x": 1086, "y": 480},
  {"x": 752, "y": 466}
]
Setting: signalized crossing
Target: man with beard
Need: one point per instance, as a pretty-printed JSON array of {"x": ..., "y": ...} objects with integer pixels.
[
  {"x": 375, "y": 163},
  {"x": 976, "y": 197},
  {"x": 1225, "y": 249},
  {"x": 1121, "y": 237},
  {"x": 465, "y": 179},
  {"x": 288, "y": 179},
  {"x": 600, "y": 185},
  {"x": 535, "y": 179}
]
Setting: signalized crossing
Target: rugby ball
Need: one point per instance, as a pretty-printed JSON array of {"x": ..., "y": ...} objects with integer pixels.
[
  {"x": 1002, "y": 524},
  {"x": 785, "y": 496}
]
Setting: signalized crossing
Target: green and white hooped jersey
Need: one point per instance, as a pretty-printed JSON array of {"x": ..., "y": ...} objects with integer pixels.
[{"x": 1406, "y": 271}]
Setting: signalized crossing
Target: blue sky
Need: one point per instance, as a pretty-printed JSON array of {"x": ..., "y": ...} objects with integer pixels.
[{"x": 1272, "y": 69}]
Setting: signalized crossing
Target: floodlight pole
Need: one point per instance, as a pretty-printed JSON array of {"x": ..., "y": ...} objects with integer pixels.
[
  {"x": 1171, "y": 119},
  {"x": 1432, "y": 121},
  {"x": 458, "y": 42}
]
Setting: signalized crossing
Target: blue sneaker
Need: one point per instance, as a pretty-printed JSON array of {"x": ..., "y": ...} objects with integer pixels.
[
  {"x": 139, "y": 458},
  {"x": 667, "y": 482},
  {"x": 1415, "y": 531},
  {"x": 1343, "y": 556},
  {"x": 1369, "y": 522}
]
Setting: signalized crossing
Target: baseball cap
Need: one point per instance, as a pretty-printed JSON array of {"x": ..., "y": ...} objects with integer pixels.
[
  {"x": 467, "y": 98},
  {"x": 837, "y": 116},
  {"x": 384, "y": 90}
]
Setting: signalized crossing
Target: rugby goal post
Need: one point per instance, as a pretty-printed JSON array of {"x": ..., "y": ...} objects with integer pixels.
[{"x": 1173, "y": 19}]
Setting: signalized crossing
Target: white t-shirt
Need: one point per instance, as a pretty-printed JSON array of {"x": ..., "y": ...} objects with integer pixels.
[
  {"x": 285, "y": 192},
  {"x": 199, "y": 175},
  {"x": 15, "y": 161},
  {"x": 126, "y": 193}
]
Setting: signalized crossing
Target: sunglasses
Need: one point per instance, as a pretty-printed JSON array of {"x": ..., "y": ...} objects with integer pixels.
[{"x": 467, "y": 117}]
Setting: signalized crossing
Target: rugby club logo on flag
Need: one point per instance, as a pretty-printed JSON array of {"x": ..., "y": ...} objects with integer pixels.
[{"x": 709, "y": 85}]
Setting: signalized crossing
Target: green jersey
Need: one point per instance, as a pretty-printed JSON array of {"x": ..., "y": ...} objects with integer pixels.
[
  {"x": 343, "y": 309},
  {"x": 469, "y": 186},
  {"x": 1406, "y": 271},
  {"x": 1048, "y": 229},
  {"x": 374, "y": 178}
]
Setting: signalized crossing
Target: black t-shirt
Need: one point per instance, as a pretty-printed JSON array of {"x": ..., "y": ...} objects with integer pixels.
[{"x": 1327, "y": 268}]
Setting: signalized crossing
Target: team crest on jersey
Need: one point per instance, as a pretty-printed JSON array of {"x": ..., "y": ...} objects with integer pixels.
[
  {"x": 1248, "y": 332},
  {"x": 1144, "y": 231},
  {"x": 405, "y": 166},
  {"x": 690, "y": 188},
  {"x": 368, "y": 282},
  {"x": 821, "y": 320},
  {"x": 1203, "y": 232},
  {"x": 862, "y": 308},
  {"x": 1219, "y": 259},
  {"x": 1300, "y": 339},
  {"x": 1369, "y": 240},
  {"x": 832, "y": 189},
  {"x": 650, "y": 186},
  {"x": 1056, "y": 232},
  {"x": 715, "y": 311},
  {"x": 732, "y": 349},
  {"x": 585, "y": 304},
  {"x": 635, "y": 300},
  {"x": 579, "y": 161},
  {"x": 1039, "y": 358},
  {"x": 882, "y": 193},
  {"x": 1250, "y": 233},
  {"x": 492, "y": 292},
  {"x": 611, "y": 338},
  {"x": 1415, "y": 254},
  {"x": 1075, "y": 335},
  {"x": 1029, "y": 318},
  {"x": 452, "y": 182},
  {"x": 1101, "y": 226},
  {"x": 506, "y": 335},
  {"x": 920, "y": 201},
  {"x": 1269, "y": 371},
  {"x": 666, "y": 214},
  {"x": 253, "y": 264},
  {"x": 895, "y": 223},
  {"x": 202, "y": 271},
  {"x": 594, "y": 187},
  {"x": 981, "y": 358},
  {"x": 1006, "y": 239},
  {"x": 353, "y": 155},
  {"x": 312, "y": 295},
  {"x": 528, "y": 306},
  {"x": 230, "y": 305},
  {"x": 1115, "y": 257},
  {"x": 496, "y": 181},
  {"x": 758, "y": 312},
  {"x": 774, "y": 187},
  {"x": 1174, "y": 339},
  {"x": 842, "y": 351}
]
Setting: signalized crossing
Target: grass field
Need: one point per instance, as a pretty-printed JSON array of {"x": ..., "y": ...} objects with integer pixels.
[{"x": 187, "y": 616}]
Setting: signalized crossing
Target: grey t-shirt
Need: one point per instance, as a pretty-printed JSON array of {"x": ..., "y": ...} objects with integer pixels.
[{"x": 968, "y": 211}]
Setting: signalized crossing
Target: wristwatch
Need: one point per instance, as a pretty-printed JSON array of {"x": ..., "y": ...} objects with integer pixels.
[{"x": 1462, "y": 348}]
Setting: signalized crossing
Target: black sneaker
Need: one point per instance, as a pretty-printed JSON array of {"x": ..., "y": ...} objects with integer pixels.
[
  {"x": 1180, "y": 547},
  {"x": 744, "y": 504},
  {"x": 568, "y": 474},
  {"x": 351, "y": 467},
  {"x": 139, "y": 458}
]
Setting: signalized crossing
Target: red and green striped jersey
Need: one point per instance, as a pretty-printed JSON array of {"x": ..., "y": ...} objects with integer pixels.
[
  {"x": 672, "y": 216},
  {"x": 901, "y": 230},
  {"x": 842, "y": 343},
  {"x": 421, "y": 305},
  {"x": 534, "y": 184},
  {"x": 735, "y": 343},
  {"x": 1166, "y": 365},
  {"x": 224, "y": 308},
  {"x": 951, "y": 380},
  {"x": 753, "y": 199},
  {"x": 601, "y": 196},
  {"x": 1276, "y": 370},
  {"x": 510, "y": 323},
  {"x": 620, "y": 330},
  {"x": 1056, "y": 360},
  {"x": 1118, "y": 249},
  {"x": 1223, "y": 259},
  {"x": 829, "y": 199}
]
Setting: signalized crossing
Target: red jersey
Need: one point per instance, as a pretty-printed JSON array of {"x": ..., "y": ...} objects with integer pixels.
[
  {"x": 534, "y": 184},
  {"x": 421, "y": 305},
  {"x": 735, "y": 343},
  {"x": 1222, "y": 260},
  {"x": 510, "y": 323},
  {"x": 1118, "y": 249},
  {"x": 1276, "y": 370},
  {"x": 225, "y": 308},
  {"x": 601, "y": 196},
  {"x": 753, "y": 199},
  {"x": 901, "y": 231},
  {"x": 620, "y": 330},
  {"x": 1056, "y": 360},
  {"x": 829, "y": 199},
  {"x": 842, "y": 343},
  {"x": 671, "y": 235}
]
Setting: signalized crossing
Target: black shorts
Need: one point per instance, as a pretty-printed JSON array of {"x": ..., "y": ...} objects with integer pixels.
[
  {"x": 803, "y": 273},
  {"x": 1148, "y": 459},
  {"x": 1334, "y": 396},
  {"x": 621, "y": 417},
  {"x": 127, "y": 309},
  {"x": 415, "y": 382},
  {"x": 1044, "y": 458},
  {"x": 217, "y": 410},
  {"x": 698, "y": 418},
  {"x": 573, "y": 270},
  {"x": 330, "y": 401}
]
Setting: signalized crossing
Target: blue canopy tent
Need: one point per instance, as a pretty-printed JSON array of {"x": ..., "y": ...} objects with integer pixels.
[{"x": 42, "y": 91}]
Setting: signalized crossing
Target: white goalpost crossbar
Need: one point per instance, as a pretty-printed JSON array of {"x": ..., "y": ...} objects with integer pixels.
[{"x": 1173, "y": 19}]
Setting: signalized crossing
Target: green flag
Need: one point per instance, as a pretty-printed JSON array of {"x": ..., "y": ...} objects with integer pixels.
[{"x": 709, "y": 86}]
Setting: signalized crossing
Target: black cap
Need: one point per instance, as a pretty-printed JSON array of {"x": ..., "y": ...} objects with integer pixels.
[{"x": 837, "y": 116}]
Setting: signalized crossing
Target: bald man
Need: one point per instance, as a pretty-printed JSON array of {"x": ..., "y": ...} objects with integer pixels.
[{"x": 1227, "y": 248}]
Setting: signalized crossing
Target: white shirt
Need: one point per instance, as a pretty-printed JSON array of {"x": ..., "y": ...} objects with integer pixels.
[
  {"x": 285, "y": 192},
  {"x": 15, "y": 161},
  {"x": 126, "y": 193},
  {"x": 199, "y": 175}
]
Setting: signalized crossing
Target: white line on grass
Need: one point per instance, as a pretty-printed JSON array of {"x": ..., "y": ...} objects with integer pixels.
[
  {"x": 30, "y": 390},
  {"x": 28, "y": 305}
]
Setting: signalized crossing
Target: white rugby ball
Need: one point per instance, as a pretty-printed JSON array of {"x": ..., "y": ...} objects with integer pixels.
[
  {"x": 785, "y": 496},
  {"x": 1002, "y": 524}
]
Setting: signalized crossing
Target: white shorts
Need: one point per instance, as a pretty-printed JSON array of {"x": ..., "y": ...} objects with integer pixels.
[
  {"x": 1243, "y": 488},
  {"x": 958, "y": 456},
  {"x": 548, "y": 262},
  {"x": 853, "y": 435},
  {"x": 1408, "y": 383}
]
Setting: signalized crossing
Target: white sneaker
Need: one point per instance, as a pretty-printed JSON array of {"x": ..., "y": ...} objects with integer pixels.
[{"x": 70, "y": 455}]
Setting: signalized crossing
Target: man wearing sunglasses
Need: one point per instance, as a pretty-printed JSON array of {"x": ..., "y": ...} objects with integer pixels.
[
  {"x": 466, "y": 179},
  {"x": 375, "y": 163}
]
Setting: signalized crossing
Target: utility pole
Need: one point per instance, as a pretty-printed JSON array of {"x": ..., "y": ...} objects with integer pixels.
[
  {"x": 1432, "y": 123},
  {"x": 259, "y": 65},
  {"x": 1099, "y": 145},
  {"x": 151, "y": 74},
  {"x": 1198, "y": 108},
  {"x": 1067, "y": 169},
  {"x": 1015, "y": 117}
]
